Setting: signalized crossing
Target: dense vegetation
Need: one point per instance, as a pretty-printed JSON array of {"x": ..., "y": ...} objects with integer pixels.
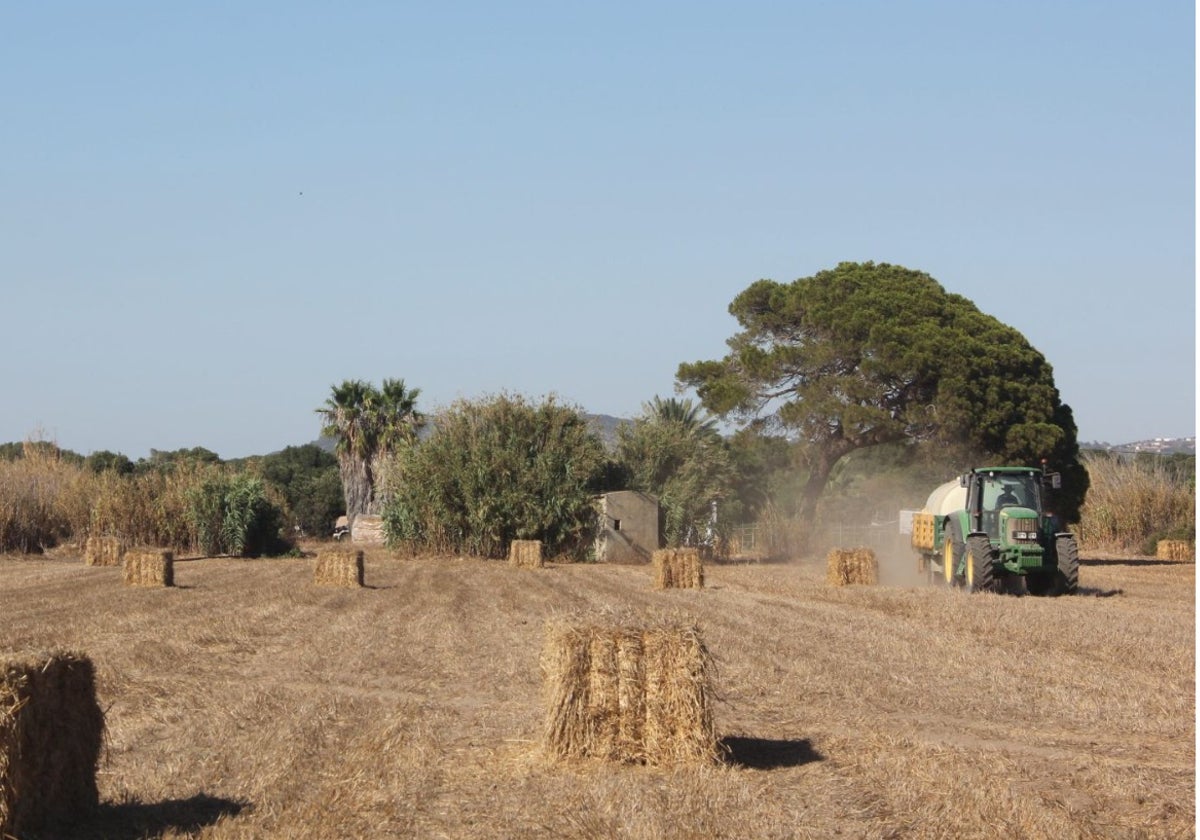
[
  {"x": 870, "y": 354},
  {"x": 854, "y": 392}
]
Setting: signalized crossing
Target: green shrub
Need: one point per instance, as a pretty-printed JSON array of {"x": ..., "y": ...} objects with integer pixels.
[
  {"x": 495, "y": 471},
  {"x": 233, "y": 515}
]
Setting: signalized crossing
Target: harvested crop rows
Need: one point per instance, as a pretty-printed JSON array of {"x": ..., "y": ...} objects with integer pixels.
[{"x": 246, "y": 701}]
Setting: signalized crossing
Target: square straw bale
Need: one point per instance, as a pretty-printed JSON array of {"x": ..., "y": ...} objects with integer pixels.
[
  {"x": 103, "y": 551},
  {"x": 1180, "y": 550},
  {"x": 846, "y": 567},
  {"x": 339, "y": 568},
  {"x": 525, "y": 554},
  {"x": 629, "y": 693},
  {"x": 149, "y": 568},
  {"x": 51, "y": 733},
  {"x": 677, "y": 568}
]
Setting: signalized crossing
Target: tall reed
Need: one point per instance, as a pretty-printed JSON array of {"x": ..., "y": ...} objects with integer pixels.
[{"x": 1135, "y": 501}]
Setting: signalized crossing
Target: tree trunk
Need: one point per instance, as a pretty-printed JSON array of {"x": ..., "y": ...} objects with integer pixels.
[{"x": 356, "y": 484}]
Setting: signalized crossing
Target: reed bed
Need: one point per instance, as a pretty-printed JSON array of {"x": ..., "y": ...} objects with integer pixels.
[{"x": 51, "y": 733}]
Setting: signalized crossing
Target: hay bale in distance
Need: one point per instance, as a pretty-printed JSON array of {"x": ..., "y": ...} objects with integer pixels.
[
  {"x": 677, "y": 568},
  {"x": 526, "y": 554},
  {"x": 149, "y": 568},
  {"x": 339, "y": 568},
  {"x": 846, "y": 567},
  {"x": 103, "y": 551},
  {"x": 1180, "y": 550},
  {"x": 51, "y": 733},
  {"x": 629, "y": 693}
]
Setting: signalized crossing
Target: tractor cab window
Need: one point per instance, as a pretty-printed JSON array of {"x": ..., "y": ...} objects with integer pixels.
[{"x": 1004, "y": 491}]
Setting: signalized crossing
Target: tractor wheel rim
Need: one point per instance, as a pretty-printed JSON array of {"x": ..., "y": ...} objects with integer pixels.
[
  {"x": 970, "y": 570},
  {"x": 948, "y": 562}
]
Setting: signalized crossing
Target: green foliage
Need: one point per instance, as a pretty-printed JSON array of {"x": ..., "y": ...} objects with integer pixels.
[
  {"x": 232, "y": 514},
  {"x": 869, "y": 354},
  {"x": 307, "y": 477},
  {"x": 370, "y": 424},
  {"x": 105, "y": 460},
  {"x": 674, "y": 452},
  {"x": 494, "y": 471}
]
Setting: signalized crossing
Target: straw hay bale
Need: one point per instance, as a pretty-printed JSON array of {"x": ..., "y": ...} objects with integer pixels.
[
  {"x": 149, "y": 568},
  {"x": 845, "y": 567},
  {"x": 525, "y": 554},
  {"x": 367, "y": 529},
  {"x": 1181, "y": 550},
  {"x": 51, "y": 732},
  {"x": 103, "y": 551},
  {"x": 677, "y": 568},
  {"x": 339, "y": 568},
  {"x": 629, "y": 693}
]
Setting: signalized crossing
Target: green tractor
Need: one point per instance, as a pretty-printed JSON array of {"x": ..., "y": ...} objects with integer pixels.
[{"x": 989, "y": 531}]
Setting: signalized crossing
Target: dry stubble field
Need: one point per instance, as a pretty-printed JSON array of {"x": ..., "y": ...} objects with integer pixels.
[{"x": 247, "y": 702}]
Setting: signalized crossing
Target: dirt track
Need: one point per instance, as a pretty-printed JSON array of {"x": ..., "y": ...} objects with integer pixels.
[{"x": 248, "y": 703}]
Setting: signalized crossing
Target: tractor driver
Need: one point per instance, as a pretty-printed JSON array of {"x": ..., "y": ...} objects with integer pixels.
[{"x": 1007, "y": 498}]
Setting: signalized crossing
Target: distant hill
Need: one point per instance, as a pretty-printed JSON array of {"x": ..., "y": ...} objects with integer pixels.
[{"x": 1158, "y": 446}]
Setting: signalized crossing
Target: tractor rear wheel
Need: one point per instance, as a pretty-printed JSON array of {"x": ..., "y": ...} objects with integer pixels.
[
  {"x": 952, "y": 551},
  {"x": 1066, "y": 579},
  {"x": 981, "y": 573}
]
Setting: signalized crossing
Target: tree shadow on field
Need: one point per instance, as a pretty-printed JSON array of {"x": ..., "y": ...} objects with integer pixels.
[
  {"x": 1129, "y": 561},
  {"x": 136, "y": 820},
  {"x": 769, "y": 753}
]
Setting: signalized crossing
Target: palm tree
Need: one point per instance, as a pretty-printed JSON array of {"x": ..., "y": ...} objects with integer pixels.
[
  {"x": 369, "y": 424},
  {"x": 693, "y": 418}
]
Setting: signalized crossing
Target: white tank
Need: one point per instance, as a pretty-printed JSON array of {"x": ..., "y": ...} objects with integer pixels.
[{"x": 947, "y": 498}]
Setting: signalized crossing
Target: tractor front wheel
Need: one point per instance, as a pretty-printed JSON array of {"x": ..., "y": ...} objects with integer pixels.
[{"x": 981, "y": 572}]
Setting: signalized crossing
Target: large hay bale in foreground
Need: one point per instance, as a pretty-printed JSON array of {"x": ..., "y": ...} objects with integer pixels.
[
  {"x": 103, "y": 551},
  {"x": 51, "y": 732},
  {"x": 525, "y": 554},
  {"x": 149, "y": 568},
  {"x": 677, "y": 568},
  {"x": 1181, "y": 550},
  {"x": 845, "y": 567},
  {"x": 339, "y": 568},
  {"x": 628, "y": 693}
]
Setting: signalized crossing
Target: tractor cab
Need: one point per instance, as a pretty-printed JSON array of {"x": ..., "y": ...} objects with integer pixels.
[{"x": 998, "y": 495}]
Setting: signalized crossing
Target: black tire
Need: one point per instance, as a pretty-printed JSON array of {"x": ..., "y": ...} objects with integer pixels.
[
  {"x": 1066, "y": 578},
  {"x": 981, "y": 571},
  {"x": 952, "y": 552}
]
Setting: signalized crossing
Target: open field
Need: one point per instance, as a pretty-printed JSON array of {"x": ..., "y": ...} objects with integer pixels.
[{"x": 247, "y": 702}]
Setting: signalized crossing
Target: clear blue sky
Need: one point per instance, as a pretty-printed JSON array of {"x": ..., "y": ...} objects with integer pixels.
[{"x": 211, "y": 212}]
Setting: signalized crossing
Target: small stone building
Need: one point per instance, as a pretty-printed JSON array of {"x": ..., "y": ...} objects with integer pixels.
[{"x": 628, "y": 531}]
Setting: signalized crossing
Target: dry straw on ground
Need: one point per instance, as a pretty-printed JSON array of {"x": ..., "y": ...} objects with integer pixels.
[
  {"x": 845, "y": 567},
  {"x": 677, "y": 568},
  {"x": 1182, "y": 550},
  {"x": 339, "y": 568},
  {"x": 628, "y": 692},
  {"x": 103, "y": 551},
  {"x": 526, "y": 554},
  {"x": 51, "y": 732},
  {"x": 149, "y": 568}
]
